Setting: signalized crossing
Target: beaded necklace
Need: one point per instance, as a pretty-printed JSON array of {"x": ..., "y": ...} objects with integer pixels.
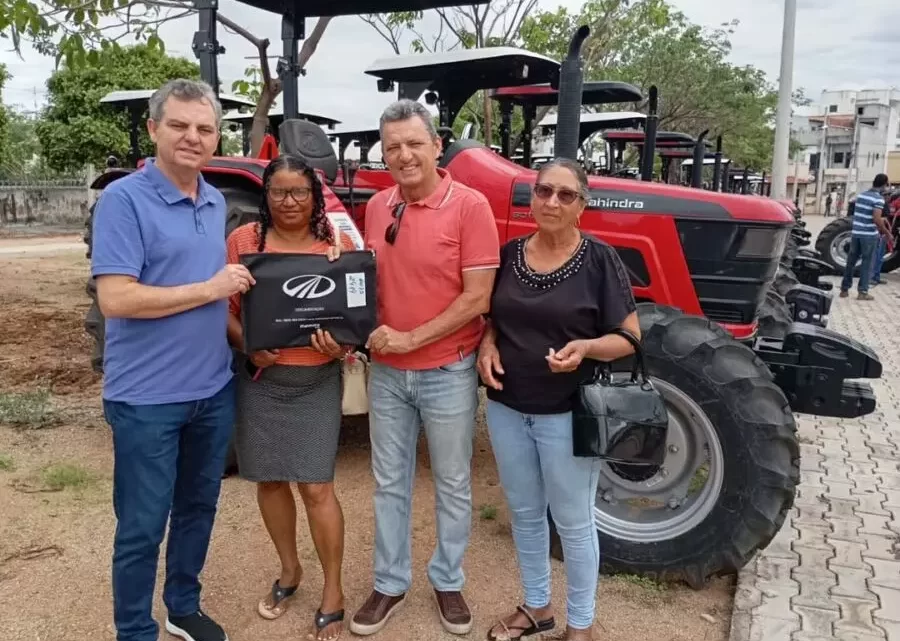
[{"x": 547, "y": 280}]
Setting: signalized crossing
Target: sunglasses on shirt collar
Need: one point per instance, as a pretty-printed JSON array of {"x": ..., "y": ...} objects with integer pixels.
[{"x": 390, "y": 234}]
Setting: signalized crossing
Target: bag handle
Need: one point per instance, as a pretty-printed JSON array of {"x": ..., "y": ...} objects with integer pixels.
[{"x": 638, "y": 364}]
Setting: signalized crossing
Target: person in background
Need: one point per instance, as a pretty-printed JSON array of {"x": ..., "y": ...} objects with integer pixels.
[
  {"x": 436, "y": 249},
  {"x": 289, "y": 400},
  {"x": 168, "y": 391},
  {"x": 868, "y": 224},
  {"x": 558, "y": 294}
]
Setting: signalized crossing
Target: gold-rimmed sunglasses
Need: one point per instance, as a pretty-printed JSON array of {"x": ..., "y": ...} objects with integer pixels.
[{"x": 564, "y": 195}]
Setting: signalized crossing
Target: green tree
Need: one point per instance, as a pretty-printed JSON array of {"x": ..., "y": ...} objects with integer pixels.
[{"x": 77, "y": 129}]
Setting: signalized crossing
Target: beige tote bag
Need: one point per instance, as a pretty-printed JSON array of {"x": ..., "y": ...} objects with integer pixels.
[{"x": 356, "y": 378}]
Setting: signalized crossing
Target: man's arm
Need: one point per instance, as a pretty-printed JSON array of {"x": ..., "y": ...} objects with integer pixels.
[
  {"x": 121, "y": 296},
  {"x": 474, "y": 301},
  {"x": 117, "y": 260},
  {"x": 880, "y": 221}
]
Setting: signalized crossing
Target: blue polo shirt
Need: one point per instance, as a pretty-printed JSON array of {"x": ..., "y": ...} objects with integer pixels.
[
  {"x": 145, "y": 227},
  {"x": 864, "y": 214}
]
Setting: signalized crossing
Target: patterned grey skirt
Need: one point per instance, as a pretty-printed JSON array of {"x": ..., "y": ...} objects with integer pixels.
[{"x": 288, "y": 423}]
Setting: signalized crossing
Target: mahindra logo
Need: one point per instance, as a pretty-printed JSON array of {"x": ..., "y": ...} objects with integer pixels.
[{"x": 308, "y": 286}]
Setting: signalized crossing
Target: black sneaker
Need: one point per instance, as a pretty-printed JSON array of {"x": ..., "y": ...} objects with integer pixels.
[{"x": 195, "y": 627}]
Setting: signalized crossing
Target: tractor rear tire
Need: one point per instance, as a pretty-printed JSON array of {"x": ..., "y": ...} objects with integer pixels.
[
  {"x": 774, "y": 316},
  {"x": 833, "y": 244},
  {"x": 722, "y": 399}
]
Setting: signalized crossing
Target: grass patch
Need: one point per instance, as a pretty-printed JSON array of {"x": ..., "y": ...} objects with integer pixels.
[
  {"x": 643, "y": 582},
  {"x": 487, "y": 512},
  {"x": 66, "y": 475},
  {"x": 27, "y": 410},
  {"x": 6, "y": 463}
]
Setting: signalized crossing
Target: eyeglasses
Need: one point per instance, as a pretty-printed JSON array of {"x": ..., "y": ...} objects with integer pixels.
[
  {"x": 564, "y": 196},
  {"x": 390, "y": 234},
  {"x": 299, "y": 194}
]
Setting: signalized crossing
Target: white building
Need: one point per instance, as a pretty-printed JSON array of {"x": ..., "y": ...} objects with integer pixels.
[{"x": 853, "y": 134}]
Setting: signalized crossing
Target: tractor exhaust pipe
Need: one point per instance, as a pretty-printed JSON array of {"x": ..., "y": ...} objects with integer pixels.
[
  {"x": 571, "y": 82},
  {"x": 650, "y": 135},
  {"x": 717, "y": 167},
  {"x": 699, "y": 157}
]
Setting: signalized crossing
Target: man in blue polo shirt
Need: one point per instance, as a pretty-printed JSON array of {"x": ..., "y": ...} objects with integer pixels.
[
  {"x": 162, "y": 283},
  {"x": 868, "y": 225}
]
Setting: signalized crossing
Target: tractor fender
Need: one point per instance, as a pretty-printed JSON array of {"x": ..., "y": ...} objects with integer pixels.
[{"x": 103, "y": 180}]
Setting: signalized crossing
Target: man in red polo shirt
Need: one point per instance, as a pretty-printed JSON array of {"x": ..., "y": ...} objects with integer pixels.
[{"x": 436, "y": 250}]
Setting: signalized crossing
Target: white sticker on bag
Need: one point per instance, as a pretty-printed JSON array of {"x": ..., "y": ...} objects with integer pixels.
[{"x": 356, "y": 290}]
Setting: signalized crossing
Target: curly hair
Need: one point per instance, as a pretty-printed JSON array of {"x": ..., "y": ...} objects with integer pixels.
[{"x": 318, "y": 221}]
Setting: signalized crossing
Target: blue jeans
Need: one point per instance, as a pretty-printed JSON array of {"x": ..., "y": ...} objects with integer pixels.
[
  {"x": 860, "y": 247},
  {"x": 445, "y": 399},
  {"x": 167, "y": 458},
  {"x": 878, "y": 259},
  {"x": 537, "y": 468}
]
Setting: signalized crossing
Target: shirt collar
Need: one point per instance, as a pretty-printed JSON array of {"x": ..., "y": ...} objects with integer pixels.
[
  {"x": 167, "y": 189},
  {"x": 436, "y": 199}
]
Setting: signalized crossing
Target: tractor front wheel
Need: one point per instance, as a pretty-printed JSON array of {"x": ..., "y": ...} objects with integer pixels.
[
  {"x": 730, "y": 471},
  {"x": 774, "y": 316}
]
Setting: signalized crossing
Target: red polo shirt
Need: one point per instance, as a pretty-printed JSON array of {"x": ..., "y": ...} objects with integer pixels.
[{"x": 421, "y": 274}]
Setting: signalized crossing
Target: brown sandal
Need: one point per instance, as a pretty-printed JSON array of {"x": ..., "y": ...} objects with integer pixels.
[{"x": 534, "y": 628}]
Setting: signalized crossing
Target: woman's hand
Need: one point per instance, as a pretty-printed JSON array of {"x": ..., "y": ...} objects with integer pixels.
[
  {"x": 323, "y": 342},
  {"x": 568, "y": 358},
  {"x": 264, "y": 357},
  {"x": 488, "y": 363},
  {"x": 333, "y": 252}
]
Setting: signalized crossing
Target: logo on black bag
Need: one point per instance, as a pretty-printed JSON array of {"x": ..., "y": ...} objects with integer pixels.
[{"x": 308, "y": 286}]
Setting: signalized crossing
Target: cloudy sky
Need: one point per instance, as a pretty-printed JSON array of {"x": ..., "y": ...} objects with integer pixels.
[{"x": 840, "y": 45}]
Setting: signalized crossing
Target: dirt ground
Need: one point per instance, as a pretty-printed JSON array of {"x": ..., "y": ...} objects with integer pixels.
[{"x": 57, "y": 522}]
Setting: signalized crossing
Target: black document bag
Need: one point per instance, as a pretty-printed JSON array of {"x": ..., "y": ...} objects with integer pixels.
[{"x": 296, "y": 294}]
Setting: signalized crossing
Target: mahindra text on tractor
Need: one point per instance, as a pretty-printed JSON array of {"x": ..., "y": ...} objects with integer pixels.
[{"x": 700, "y": 262}]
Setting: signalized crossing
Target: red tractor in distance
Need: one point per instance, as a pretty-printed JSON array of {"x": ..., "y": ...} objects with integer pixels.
[{"x": 700, "y": 264}]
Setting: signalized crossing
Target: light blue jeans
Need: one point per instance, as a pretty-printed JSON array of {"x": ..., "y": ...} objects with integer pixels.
[
  {"x": 445, "y": 400},
  {"x": 537, "y": 468}
]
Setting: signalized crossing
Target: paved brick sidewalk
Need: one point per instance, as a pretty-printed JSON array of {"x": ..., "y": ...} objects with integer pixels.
[{"x": 833, "y": 571}]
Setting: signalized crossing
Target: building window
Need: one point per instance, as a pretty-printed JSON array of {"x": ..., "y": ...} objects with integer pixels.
[
  {"x": 838, "y": 158},
  {"x": 860, "y": 110},
  {"x": 832, "y": 109}
]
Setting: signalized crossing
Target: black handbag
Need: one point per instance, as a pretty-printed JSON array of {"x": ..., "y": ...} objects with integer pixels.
[{"x": 621, "y": 421}]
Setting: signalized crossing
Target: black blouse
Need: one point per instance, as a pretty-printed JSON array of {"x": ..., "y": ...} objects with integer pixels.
[{"x": 531, "y": 312}]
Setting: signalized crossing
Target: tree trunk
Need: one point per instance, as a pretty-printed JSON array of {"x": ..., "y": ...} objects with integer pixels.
[
  {"x": 488, "y": 119},
  {"x": 272, "y": 86}
]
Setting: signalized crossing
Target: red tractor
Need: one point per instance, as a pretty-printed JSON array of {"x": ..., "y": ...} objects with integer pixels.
[{"x": 700, "y": 262}]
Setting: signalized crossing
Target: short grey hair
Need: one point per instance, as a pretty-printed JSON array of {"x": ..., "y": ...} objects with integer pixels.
[
  {"x": 574, "y": 167},
  {"x": 187, "y": 90},
  {"x": 405, "y": 109}
]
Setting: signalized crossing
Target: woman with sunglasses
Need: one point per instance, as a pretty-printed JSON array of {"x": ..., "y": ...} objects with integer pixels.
[
  {"x": 557, "y": 295},
  {"x": 289, "y": 401}
]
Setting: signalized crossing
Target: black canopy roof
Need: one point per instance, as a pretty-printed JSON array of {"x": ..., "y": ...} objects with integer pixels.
[
  {"x": 595, "y": 92},
  {"x": 324, "y": 8}
]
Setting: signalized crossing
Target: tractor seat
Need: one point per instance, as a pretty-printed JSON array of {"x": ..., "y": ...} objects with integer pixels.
[{"x": 307, "y": 140}]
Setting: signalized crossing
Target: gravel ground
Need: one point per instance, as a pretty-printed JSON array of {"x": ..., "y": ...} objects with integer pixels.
[{"x": 55, "y": 544}]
